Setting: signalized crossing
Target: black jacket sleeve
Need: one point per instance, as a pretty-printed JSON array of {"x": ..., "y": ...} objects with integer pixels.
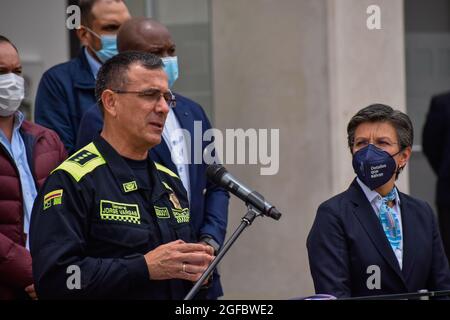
[
  {"x": 328, "y": 254},
  {"x": 439, "y": 278},
  {"x": 58, "y": 243}
]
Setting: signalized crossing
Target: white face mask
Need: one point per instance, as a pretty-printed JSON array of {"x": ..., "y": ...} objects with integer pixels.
[{"x": 12, "y": 92}]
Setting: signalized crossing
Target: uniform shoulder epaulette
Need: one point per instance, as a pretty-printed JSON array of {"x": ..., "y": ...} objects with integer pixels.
[
  {"x": 166, "y": 170},
  {"x": 82, "y": 162}
]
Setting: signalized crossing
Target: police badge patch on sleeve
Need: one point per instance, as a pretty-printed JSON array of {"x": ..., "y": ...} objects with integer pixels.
[{"x": 53, "y": 198}]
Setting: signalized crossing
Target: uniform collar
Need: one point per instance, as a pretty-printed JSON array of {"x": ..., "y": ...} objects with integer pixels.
[{"x": 123, "y": 173}]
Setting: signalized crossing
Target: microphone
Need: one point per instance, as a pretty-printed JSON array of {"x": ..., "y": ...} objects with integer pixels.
[{"x": 220, "y": 176}]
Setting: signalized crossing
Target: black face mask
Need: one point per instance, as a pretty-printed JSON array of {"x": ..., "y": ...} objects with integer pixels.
[{"x": 374, "y": 166}]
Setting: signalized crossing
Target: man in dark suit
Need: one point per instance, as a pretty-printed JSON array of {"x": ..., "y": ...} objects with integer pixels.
[
  {"x": 436, "y": 147},
  {"x": 66, "y": 90},
  {"x": 372, "y": 239},
  {"x": 208, "y": 203}
]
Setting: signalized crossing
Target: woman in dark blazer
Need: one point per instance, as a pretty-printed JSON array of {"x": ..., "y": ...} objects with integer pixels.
[{"x": 372, "y": 239}]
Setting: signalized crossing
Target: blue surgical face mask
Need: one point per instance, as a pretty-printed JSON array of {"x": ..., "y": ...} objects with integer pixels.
[
  {"x": 171, "y": 69},
  {"x": 109, "y": 46},
  {"x": 374, "y": 166}
]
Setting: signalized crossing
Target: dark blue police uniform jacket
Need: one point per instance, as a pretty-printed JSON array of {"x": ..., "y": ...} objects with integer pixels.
[
  {"x": 209, "y": 203},
  {"x": 347, "y": 238},
  {"x": 93, "y": 214},
  {"x": 65, "y": 92}
]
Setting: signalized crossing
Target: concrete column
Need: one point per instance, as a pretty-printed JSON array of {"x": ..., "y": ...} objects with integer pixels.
[
  {"x": 38, "y": 29},
  {"x": 365, "y": 67},
  {"x": 304, "y": 67}
]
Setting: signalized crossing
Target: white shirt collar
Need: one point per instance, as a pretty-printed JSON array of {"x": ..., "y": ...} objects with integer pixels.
[
  {"x": 372, "y": 195},
  {"x": 93, "y": 63}
]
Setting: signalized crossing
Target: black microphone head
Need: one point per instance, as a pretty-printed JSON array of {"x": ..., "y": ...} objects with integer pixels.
[
  {"x": 215, "y": 172},
  {"x": 275, "y": 214}
]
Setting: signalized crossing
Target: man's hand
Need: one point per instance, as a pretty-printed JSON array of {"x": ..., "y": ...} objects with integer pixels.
[
  {"x": 31, "y": 292},
  {"x": 179, "y": 260},
  {"x": 207, "y": 279}
]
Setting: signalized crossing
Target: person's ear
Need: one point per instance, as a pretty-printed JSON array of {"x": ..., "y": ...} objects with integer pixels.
[
  {"x": 352, "y": 149},
  {"x": 404, "y": 157},
  {"x": 109, "y": 100},
  {"x": 83, "y": 35}
]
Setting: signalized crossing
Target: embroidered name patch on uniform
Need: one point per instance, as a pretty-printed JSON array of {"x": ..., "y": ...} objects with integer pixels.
[
  {"x": 53, "y": 198},
  {"x": 181, "y": 215},
  {"x": 162, "y": 212},
  {"x": 119, "y": 211}
]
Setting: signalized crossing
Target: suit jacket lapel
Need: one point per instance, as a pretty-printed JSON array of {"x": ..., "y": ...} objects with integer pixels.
[
  {"x": 407, "y": 234},
  {"x": 84, "y": 78},
  {"x": 371, "y": 224}
]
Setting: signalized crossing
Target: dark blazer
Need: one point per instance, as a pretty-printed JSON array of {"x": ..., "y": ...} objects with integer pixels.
[
  {"x": 65, "y": 92},
  {"x": 436, "y": 145},
  {"x": 347, "y": 237},
  {"x": 209, "y": 203}
]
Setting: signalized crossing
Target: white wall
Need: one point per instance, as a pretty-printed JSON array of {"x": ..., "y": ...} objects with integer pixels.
[
  {"x": 270, "y": 71},
  {"x": 38, "y": 29},
  {"x": 305, "y": 67},
  {"x": 366, "y": 67},
  {"x": 172, "y": 12}
]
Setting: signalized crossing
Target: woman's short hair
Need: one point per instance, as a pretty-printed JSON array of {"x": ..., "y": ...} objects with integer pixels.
[{"x": 383, "y": 113}]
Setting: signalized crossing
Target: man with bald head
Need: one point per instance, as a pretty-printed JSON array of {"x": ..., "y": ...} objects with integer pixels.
[
  {"x": 208, "y": 203},
  {"x": 145, "y": 34},
  {"x": 66, "y": 90}
]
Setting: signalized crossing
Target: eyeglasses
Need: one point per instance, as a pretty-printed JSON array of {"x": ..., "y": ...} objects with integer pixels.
[
  {"x": 153, "y": 95},
  {"x": 382, "y": 144}
]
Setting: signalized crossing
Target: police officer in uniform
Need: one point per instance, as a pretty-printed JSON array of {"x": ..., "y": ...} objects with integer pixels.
[{"x": 109, "y": 215}]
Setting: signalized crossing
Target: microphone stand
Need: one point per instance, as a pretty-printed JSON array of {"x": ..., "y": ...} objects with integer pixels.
[{"x": 247, "y": 220}]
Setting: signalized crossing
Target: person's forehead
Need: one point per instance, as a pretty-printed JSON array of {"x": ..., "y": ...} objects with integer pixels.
[
  {"x": 109, "y": 11},
  {"x": 158, "y": 32},
  {"x": 375, "y": 129},
  {"x": 156, "y": 37},
  {"x": 143, "y": 77},
  {"x": 8, "y": 55}
]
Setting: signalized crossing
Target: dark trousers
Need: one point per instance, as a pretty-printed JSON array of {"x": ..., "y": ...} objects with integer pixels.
[{"x": 444, "y": 226}]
